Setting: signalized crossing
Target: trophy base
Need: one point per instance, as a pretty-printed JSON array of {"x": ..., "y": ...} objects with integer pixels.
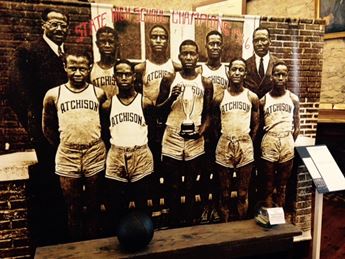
[
  {"x": 188, "y": 131},
  {"x": 187, "y": 128}
]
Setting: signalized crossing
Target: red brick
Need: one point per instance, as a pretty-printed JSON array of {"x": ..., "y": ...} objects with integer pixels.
[
  {"x": 310, "y": 132},
  {"x": 5, "y": 243},
  {"x": 21, "y": 241},
  {"x": 17, "y": 251},
  {"x": 306, "y": 32},
  {"x": 13, "y": 214},
  {"x": 19, "y": 223},
  {"x": 3, "y": 204},
  {"x": 18, "y": 204},
  {"x": 312, "y": 50},
  {"x": 14, "y": 233},
  {"x": 306, "y": 127},
  {"x": 303, "y": 204},
  {"x": 6, "y": 215},
  {"x": 4, "y": 225},
  {"x": 315, "y": 27},
  {"x": 303, "y": 116},
  {"x": 300, "y": 219},
  {"x": 303, "y": 211}
]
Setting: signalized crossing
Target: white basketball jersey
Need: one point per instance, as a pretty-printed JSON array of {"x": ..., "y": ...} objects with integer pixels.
[
  {"x": 105, "y": 79},
  {"x": 153, "y": 76},
  {"x": 128, "y": 127},
  {"x": 278, "y": 112},
  {"x": 218, "y": 77},
  {"x": 179, "y": 111},
  {"x": 78, "y": 114},
  {"x": 235, "y": 113}
]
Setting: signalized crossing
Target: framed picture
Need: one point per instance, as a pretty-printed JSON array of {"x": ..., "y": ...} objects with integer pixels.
[
  {"x": 333, "y": 12},
  {"x": 228, "y": 7}
]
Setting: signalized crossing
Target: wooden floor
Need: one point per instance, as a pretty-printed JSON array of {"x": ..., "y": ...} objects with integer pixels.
[
  {"x": 333, "y": 230},
  {"x": 333, "y": 226},
  {"x": 331, "y": 132}
]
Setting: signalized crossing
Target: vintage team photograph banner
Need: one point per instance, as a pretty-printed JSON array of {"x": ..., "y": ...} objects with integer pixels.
[
  {"x": 294, "y": 41},
  {"x": 133, "y": 25},
  {"x": 212, "y": 187}
]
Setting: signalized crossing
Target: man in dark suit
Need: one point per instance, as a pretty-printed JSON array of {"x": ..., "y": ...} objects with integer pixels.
[
  {"x": 36, "y": 67},
  {"x": 258, "y": 76}
]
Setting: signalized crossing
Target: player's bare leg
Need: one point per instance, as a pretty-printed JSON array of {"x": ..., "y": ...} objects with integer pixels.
[
  {"x": 172, "y": 173},
  {"x": 283, "y": 174},
  {"x": 72, "y": 189},
  {"x": 92, "y": 196},
  {"x": 225, "y": 176},
  {"x": 268, "y": 173},
  {"x": 244, "y": 175}
]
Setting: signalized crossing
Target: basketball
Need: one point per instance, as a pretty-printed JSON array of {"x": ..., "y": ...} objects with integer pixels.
[{"x": 135, "y": 230}]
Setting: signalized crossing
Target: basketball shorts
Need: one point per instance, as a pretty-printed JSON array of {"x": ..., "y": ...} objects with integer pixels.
[
  {"x": 277, "y": 147},
  {"x": 129, "y": 164},
  {"x": 76, "y": 161},
  {"x": 234, "y": 151},
  {"x": 176, "y": 147}
]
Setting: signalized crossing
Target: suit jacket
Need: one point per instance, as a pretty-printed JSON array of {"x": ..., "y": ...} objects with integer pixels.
[
  {"x": 254, "y": 82},
  {"x": 34, "y": 69}
]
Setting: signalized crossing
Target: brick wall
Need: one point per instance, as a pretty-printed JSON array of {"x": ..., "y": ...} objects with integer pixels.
[
  {"x": 303, "y": 202},
  {"x": 14, "y": 233},
  {"x": 21, "y": 22}
]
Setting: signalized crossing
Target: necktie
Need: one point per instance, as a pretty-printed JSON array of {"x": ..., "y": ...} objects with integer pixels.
[
  {"x": 60, "y": 53},
  {"x": 261, "y": 68}
]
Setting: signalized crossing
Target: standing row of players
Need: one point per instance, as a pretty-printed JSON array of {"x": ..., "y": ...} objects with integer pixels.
[{"x": 227, "y": 118}]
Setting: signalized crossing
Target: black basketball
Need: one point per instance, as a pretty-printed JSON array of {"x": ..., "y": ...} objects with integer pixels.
[{"x": 135, "y": 230}]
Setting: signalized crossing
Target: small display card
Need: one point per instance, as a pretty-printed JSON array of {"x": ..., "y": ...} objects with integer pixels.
[{"x": 276, "y": 215}]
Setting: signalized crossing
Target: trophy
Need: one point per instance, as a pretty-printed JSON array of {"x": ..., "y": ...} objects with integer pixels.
[{"x": 188, "y": 101}]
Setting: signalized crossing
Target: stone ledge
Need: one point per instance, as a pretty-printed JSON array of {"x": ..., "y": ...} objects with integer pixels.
[
  {"x": 331, "y": 106},
  {"x": 334, "y": 115},
  {"x": 15, "y": 166}
]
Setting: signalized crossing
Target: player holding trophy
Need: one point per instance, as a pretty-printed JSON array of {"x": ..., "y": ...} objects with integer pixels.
[{"x": 184, "y": 102}]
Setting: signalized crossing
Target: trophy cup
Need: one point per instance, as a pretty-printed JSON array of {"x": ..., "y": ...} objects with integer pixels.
[{"x": 188, "y": 100}]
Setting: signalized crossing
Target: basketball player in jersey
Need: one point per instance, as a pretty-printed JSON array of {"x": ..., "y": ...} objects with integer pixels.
[
  {"x": 213, "y": 68},
  {"x": 217, "y": 73},
  {"x": 238, "y": 109},
  {"x": 71, "y": 120},
  {"x": 158, "y": 64},
  {"x": 129, "y": 161},
  {"x": 183, "y": 153},
  {"x": 151, "y": 73},
  {"x": 280, "y": 115},
  {"x": 102, "y": 73}
]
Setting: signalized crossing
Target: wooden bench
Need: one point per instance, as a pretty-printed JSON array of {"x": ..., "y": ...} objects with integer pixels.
[{"x": 226, "y": 240}]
